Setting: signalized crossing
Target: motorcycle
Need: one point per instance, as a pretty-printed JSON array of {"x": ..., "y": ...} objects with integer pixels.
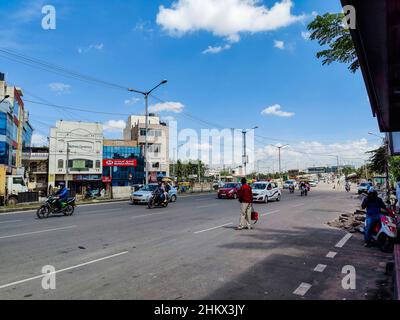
[
  {"x": 291, "y": 188},
  {"x": 304, "y": 191},
  {"x": 384, "y": 233},
  {"x": 157, "y": 200},
  {"x": 49, "y": 207},
  {"x": 347, "y": 188}
]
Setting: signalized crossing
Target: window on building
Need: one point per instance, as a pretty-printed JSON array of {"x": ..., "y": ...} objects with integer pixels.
[
  {"x": 60, "y": 164},
  {"x": 98, "y": 164},
  {"x": 156, "y": 165}
]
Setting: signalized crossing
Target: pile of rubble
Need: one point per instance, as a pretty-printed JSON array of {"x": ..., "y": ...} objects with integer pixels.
[{"x": 350, "y": 222}]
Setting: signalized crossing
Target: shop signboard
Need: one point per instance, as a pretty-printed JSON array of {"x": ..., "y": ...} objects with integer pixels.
[{"x": 119, "y": 163}]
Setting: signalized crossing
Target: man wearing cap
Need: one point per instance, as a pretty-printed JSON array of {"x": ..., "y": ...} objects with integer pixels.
[{"x": 373, "y": 205}]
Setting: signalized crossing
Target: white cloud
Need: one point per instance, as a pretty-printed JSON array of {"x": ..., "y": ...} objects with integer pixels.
[
  {"x": 275, "y": 110},
  {"x": 225, "y": 18},
  {"x": 96, "y": 46},
  {"x": 168, "y": 119},
  {"x": 217, "y": 49},
  {"x": 306, "y": 35},
  {"x": 279, "y": 44},
  {"x": 176, "y": 107},
  {"x": 114, "y": 126},
  {"x": 132, "y": 101},
  {"x": 60, "y": 87}
]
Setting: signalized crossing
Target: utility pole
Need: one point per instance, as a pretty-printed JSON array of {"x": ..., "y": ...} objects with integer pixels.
[
  {"x": 67, "y": 167},
  {"x": 146, "y": 99},
  {"x": 199, "y": 170},
  {"x": 244, "y": 132}
]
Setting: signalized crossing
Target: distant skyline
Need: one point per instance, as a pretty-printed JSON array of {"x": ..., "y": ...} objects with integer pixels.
[{"x": 234, "y": 63}]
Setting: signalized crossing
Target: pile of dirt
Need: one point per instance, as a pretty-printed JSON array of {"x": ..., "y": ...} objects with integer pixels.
[{"x": 350, "y": 222}]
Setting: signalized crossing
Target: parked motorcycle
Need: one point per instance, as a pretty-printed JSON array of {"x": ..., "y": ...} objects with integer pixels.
[
  {"x": 157, "y": 200},
  {"x": 49, "y": 207},
  {"x": 384, "y": 233}
]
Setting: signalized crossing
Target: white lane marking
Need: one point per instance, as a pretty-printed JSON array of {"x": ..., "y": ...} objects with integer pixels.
[
  {"x": 150, "y": 214},
  {"x": 320, "y": 268},
  {"x": 36, "y": 232},
  {"x": 62, "y": 270},
  {"x": 342, "y": 242},
  {"x": 224, "y": 225},
  {"x": 10, "y": 221},
  {"x": 268, "y": 213},
  {"x": 208, "y": 206},
  {"x": 298, "y": 205},
  {"x": 302, "y": 289},
  {"x": 331, "y": 254}
]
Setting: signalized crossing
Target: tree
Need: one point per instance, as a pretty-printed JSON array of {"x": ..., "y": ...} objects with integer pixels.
[
  {"x": 377, "y": 161},
  {"x": 328, "y": 29}
]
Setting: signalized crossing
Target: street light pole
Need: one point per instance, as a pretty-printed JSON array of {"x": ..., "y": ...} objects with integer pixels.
[
  {"x": 5, "y": 97},
  {"x": 146, "y": 98}
]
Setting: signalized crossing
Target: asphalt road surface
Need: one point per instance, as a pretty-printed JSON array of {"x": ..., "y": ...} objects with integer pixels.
[{"x": 189, "y": 250}]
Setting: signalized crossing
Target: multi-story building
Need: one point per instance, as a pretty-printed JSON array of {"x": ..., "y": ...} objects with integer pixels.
[
  {"x": 123, "y": 163},
  {"x": 15, "y": 129},
  {"x": 36, "y": 163},
  {"x": 76, "y": 155},
  {"x": 158, "y": 142}
]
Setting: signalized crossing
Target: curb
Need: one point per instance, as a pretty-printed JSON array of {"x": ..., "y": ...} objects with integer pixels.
[{"x": 22, "y": 209}]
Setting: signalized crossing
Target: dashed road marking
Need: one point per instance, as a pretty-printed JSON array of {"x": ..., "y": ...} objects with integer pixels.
[
  {"x": 343, "y": 241},
  {"x": 302, "y": 289},
  {"x": 298, "y": 205},
  {"x": 208, "y": 206},
  {"x": 62, "y": 270},
  {"x": 36, "y": 232},
  {"x": 331, "y": 254},
  {"x": 224, "y": 225},
  {"x": 268, "y": 213},
  {"x": 320, "y": 268}
]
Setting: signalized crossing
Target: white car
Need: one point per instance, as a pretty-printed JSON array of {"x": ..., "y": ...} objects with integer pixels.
[
  {"x": 266, "y": 191},
  {"x": 144, "y": 194},
  {"x": 289, "y": 183},
  {"x": 313, "y": 183}
]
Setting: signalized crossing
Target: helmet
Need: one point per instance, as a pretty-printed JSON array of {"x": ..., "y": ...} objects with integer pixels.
[{"x": 371, "y": 190}]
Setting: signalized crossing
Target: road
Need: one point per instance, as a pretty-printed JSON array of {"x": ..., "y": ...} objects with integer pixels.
[{"x": 189, "y": 250}]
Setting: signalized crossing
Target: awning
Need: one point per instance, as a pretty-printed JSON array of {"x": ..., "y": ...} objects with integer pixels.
[{"x": 377, "y": 41}]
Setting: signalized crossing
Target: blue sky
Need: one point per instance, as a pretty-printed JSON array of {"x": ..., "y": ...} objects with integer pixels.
[{"x": 250, "y": 66}]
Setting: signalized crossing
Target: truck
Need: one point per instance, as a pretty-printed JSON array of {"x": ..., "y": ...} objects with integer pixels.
[{"x": 10, "y": 187}]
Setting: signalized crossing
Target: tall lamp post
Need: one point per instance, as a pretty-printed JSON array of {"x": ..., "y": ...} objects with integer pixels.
[
  {"x": 279, "y": 150},
  {"x": 146, "y": 98},
  {"x": 244, "y": 132}
]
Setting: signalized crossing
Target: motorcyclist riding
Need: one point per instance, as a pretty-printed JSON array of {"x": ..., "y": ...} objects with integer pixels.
[{"x": 62, "y": 195}]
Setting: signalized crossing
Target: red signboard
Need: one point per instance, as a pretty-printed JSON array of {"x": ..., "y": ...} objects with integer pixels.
[
  {"x": 119, "y": 163},
  {"x": 106, "y": 179}
]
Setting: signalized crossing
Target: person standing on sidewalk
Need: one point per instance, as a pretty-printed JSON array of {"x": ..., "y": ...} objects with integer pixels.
[{"x": 245, "y": 196}]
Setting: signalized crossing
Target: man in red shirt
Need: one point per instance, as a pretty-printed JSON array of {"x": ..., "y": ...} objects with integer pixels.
[{"x": 245, "y": 196}]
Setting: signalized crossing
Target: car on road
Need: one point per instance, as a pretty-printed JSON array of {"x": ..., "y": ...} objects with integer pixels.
[
  {"x": 363, "y": 187},
  {"x": 143, "y": 195},
  {"x": 289, "y": 183},
  {"x": 266, "y": 191},
  {"x": 229, "y": 191},
  {"x": 313, "y": 183}
]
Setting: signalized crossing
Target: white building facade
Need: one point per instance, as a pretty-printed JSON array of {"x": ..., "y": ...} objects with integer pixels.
[
  {"x": 157, "y": 139},
  {"x": 75, "y": 155}
]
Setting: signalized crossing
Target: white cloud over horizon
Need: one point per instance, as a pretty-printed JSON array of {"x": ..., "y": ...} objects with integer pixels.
[
  {"x": 276, "y": 110},
  {"x": 96, "y": 46},
  {"x": 175, "y": 107},
  {"x": 227, "y": 19},
  {"x": 114, "y": 126},
  {"x": 217, "y": 49},
  {"x": 39, "y": 140}
]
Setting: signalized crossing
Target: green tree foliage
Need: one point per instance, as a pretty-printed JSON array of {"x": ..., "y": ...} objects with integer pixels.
[
  {"x": 377, "y": 161},
  {"x": 329, "y": 30}
]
